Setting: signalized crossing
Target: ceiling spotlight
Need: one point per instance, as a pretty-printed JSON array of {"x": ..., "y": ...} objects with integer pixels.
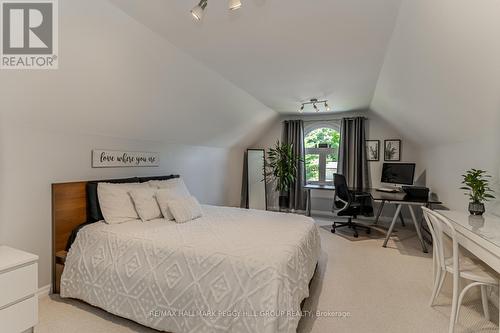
[
  {"x": 234, "y": 4},
  {"x": 327, "y": 107},
  {"x": 302, "y": 108},
  {"x": 315, "y": 107},
  {"x": 199, "y": 10}
]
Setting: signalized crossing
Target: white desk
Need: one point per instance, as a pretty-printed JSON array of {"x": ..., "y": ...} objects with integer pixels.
[{"x": 479, "y": 235}]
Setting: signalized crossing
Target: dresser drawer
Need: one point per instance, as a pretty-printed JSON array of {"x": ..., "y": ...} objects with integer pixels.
[
  {"x": 18, "y": 283},
  {"x": 20, "y": 316}
]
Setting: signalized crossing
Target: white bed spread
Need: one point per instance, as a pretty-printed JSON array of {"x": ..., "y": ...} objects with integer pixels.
[{"x": 233, "y": 270}]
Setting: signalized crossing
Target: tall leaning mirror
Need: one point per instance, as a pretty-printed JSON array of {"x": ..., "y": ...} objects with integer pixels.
[{"x": 256, "y": 184}]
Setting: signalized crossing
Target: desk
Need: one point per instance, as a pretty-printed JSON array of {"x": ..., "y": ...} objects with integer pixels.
[
  {"x": 400, "y": 199},
  {"x": 479, "y": 235},
  {"x": 310, "y": 187}
]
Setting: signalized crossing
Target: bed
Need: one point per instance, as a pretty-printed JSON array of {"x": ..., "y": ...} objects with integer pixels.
[{"x": 232, "y": 270}]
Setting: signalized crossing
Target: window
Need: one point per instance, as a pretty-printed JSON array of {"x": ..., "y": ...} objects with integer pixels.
[{"x": 321, "y": 148}]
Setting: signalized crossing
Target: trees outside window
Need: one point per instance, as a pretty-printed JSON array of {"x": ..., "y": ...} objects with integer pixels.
[{"x": 321, "y": 149}]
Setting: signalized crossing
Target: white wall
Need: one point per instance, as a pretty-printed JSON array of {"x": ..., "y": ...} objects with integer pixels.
[
  {"x": 119, "y": 86},
  {"x": 33, "y": 158},
  {"x": 440, "y": 84},
  {"x": 376, "y": 129},
  {"x": 446, "y": 163}
]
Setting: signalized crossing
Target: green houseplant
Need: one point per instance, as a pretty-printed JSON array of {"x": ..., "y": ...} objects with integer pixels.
[
  {"x": 281, "y": 167},
  {"x": 477, "y": 186}
]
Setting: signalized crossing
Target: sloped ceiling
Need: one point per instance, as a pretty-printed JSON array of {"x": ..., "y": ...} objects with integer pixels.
[
  {"x": 282, "y": 52},
  {"x": 119, "y": 79},
  {"x": 155, "y": 74},
  {"x": 441, "y": 78}
]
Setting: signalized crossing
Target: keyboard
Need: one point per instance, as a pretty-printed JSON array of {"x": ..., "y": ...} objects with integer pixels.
[{"x": 388, "y": 189}]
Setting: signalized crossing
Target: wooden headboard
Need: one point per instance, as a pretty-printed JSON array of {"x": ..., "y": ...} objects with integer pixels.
[{"x": 69, "y": 210}]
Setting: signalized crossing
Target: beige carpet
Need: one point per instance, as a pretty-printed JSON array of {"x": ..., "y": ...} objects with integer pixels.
[{"x": 376, "y": 289}]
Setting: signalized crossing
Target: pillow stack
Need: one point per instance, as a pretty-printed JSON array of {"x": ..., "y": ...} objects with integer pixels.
[{"x": 148, "y": 201}]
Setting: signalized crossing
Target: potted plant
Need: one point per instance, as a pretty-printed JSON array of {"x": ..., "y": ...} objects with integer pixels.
[
  {"x": 282, "y": 164},
  {"x": 477, "y": 186}
]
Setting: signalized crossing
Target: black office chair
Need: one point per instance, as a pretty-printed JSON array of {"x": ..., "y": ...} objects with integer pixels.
[{"x": 350, "y": 204}]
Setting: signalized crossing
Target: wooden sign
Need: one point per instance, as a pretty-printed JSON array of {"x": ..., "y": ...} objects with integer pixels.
[{"x": 117, "y": 159}]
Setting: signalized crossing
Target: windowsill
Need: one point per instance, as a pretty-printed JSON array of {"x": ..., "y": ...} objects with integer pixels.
[{"x": 320, "y": 183}]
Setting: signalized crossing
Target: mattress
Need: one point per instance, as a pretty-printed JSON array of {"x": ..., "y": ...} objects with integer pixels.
[{"x": 233, "y": 270}]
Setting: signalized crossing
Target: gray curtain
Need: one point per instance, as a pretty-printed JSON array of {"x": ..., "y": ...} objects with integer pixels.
[
  {"x": 352, "y": 158},
  {"x": 293, "y": 133}
]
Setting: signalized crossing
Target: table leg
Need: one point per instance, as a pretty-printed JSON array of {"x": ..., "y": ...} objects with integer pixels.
[
  {"x": 394, "y": 219},
  {"x": 379, "y": 212},
  {"x": 417, "y": 227},
  {"x": 308, "y": 202}
]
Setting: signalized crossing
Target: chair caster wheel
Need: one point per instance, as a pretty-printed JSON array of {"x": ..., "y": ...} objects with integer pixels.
[
  {"x": 356, "y": 235},
  {"x": 333, "y": 230}
]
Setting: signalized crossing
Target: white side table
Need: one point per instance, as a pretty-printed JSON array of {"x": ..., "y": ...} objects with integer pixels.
[{"x": 18, "y": 290}]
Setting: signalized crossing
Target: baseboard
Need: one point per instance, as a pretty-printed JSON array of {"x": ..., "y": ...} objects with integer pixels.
[{"x": 44, "y": 291}]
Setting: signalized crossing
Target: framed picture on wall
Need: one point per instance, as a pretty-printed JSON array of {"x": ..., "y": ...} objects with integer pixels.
[
  {"x": 392, "y": 150},
  {"x": 373, "y": 150}
]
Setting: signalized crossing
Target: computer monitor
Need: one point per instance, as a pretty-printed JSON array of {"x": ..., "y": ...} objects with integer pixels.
[{"x": 398, "y": 173}]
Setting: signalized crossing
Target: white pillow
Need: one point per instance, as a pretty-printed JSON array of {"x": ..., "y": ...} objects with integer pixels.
[
  {"x": 116, "y": 203},
  {"x": 164, "y": 196},
  {"x": 145, "y": 203},
  {"x": 176, "y": 184},
  {"x": 185, "y": 209}
]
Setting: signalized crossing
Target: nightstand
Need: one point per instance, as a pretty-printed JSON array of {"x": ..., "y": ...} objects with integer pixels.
[{"x": 18, "y": 290}]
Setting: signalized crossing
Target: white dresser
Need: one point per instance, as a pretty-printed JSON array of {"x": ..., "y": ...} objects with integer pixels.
[{"x": 18, "y": 290}]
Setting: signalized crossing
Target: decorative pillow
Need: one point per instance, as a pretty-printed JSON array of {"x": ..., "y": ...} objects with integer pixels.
[
  {"x": 176, "y": 184},
  {"x": 94, "y": 210},
  {"x": 185, "y": 209},
  {"x": 164, "y": 196},
  {"x": 115, "y": 202},
  {"x": 145, "y": 203}
]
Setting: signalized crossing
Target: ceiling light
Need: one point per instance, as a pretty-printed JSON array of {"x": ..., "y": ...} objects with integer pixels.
[
  {"x": 199, "y": 10},
  {"x": 315, "y": 102},
  {"x": 234, "y": 4}
]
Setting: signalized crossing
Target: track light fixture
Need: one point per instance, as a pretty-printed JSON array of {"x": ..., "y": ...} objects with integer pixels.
[
  {"x": 315, "y": 102},
  {"x": 199, "y": 10}
]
